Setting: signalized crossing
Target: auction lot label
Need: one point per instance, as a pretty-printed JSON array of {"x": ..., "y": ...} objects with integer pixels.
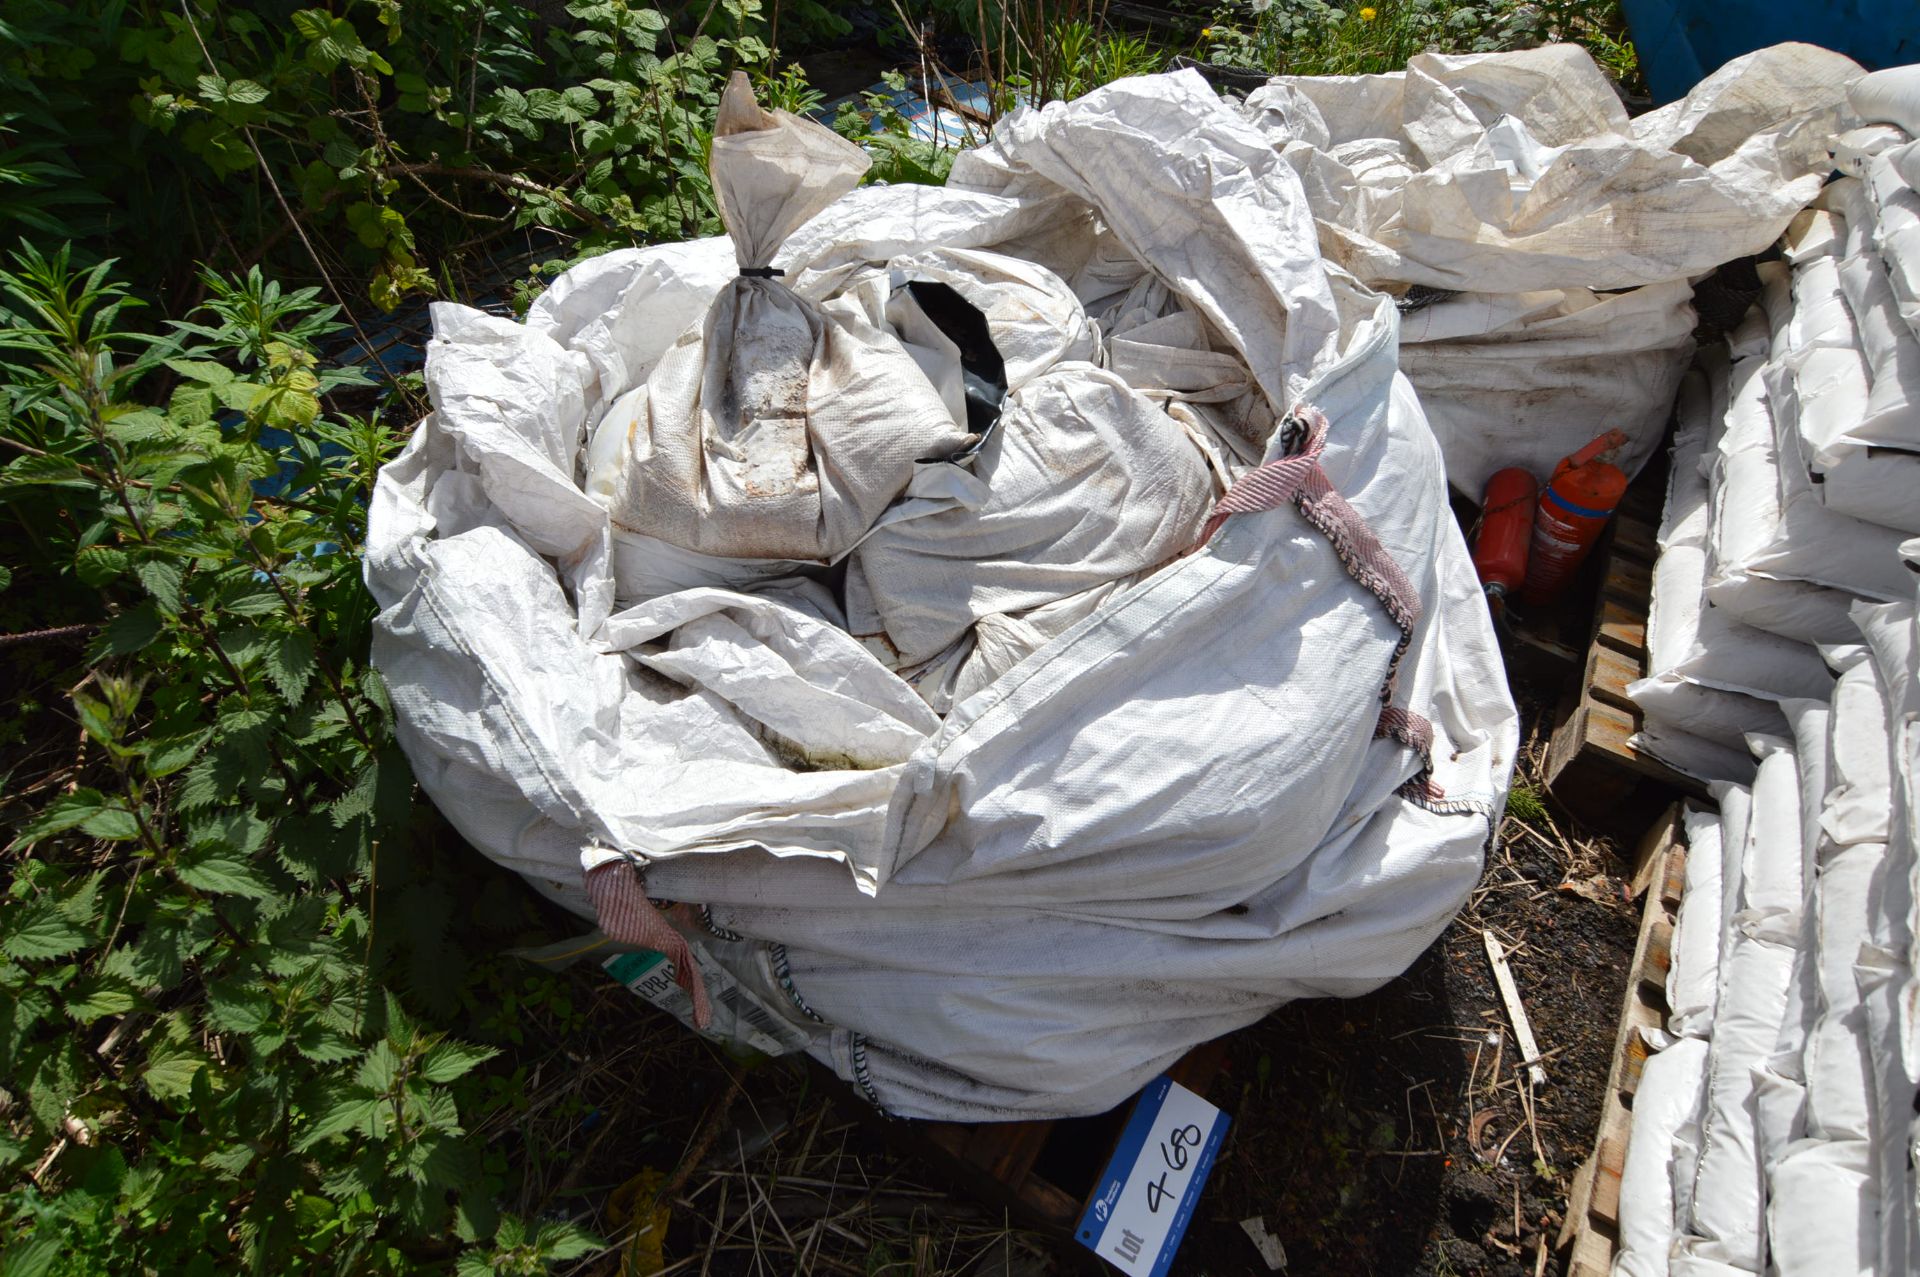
[{"x": 1144, "y": 1199}]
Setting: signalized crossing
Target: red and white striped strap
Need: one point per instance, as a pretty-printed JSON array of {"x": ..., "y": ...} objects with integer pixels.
[{"x": 628, "y": 918}]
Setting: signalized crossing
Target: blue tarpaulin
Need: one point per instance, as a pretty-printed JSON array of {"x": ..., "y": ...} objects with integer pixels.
[{"x": 1680, "y": 42}]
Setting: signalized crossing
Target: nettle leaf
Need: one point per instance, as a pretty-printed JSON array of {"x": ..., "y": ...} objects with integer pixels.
[
  {"x": 230, "y": 1161},
  {"x": 69, "y": 811},
  {"x": 361, "y": 1175},
  {"x": 253, "y": 603},
  {"x": 130, "y": 632},
  {"x": 323, "y": 1045},
  {"x": 95, "y": 997},
  {"x": 566, "y": 1240},
  {"x": 449, "y": 1060},
  {"x": 212, "y": 779},
  {"x": 168, "y": 755},
  {"x": 245, "y": 728},
  {"x": 41, "y": 930},
  {"x": 347, "y": 1110},
  {"x": 158, "y": 957},
  {"x": 98, "y": 564},
  {"x": 112, "y": 824},
  {"x": 237, "y": 1008},
  {"x": 20, "y": 1011},
  {"x": 143, "y": 426},
  {"x": 442, "y": 1162},
  {"x": 241, "y": 832},
  {"x": 240, "y": 396},
  {"x": 289, "y": 663},
  {"x": 204, "y": 371},
  {"x": 43, "y": 472},
  {"x": 358, "y": 800},
  {"x": 379, "y": 1069},
  {"x": 162, "y": 579},
  {"x": 221, "y": 874},
  {"x": 171, "y": 1069},
  {"x": 190, "y": 405}
]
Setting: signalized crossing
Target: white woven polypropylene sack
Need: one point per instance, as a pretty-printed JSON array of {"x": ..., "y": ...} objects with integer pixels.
[
  {"x": 778, "y": 430},
  {"x": 1821, "y": 1212},
  {"x": 1186, "y": 807},
  {"x": 1693, "y": 981},
  {"x": 1756, "y": 572},
  {"x": 1665, "y": 1105},
  {"x": 1891, "y": 96}
]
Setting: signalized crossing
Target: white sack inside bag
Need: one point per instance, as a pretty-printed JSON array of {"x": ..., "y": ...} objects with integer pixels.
[{"x": 774, "y": 431}]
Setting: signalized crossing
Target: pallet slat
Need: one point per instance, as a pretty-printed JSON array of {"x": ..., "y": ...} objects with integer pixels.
[{"x": 1590, "y": 1233}]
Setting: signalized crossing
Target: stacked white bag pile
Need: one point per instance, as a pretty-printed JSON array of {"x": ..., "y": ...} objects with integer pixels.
[
  {"x": 1775, "y": 1130},
  {"x": 1543, "y": 245},
  {"x": 995, "y": 762}
]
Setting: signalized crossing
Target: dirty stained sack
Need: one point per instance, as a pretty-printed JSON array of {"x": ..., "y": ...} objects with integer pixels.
[
  {"x": 775, "y": 430},
  {"x": 1265, "y": 769}
]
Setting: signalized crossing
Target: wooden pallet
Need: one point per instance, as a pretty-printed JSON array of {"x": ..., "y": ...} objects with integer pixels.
[
  {"x": 1591, "y": 1230},
  {"x": 1591, "y": 770},
  {"x": 1039, "y": 1173}
]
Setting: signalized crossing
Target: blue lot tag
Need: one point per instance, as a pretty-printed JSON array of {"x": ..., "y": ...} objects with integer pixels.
[{"x": 1145, "y": 1198}]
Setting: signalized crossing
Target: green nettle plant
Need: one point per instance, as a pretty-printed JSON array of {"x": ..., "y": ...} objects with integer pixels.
[{"x": 206, "y": 1066}]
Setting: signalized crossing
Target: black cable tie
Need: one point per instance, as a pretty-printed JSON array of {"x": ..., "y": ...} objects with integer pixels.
[{"x": 760, "y": 272}]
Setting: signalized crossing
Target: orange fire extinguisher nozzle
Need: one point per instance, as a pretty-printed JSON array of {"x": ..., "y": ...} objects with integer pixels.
[{"x": 1601, "y": 446}]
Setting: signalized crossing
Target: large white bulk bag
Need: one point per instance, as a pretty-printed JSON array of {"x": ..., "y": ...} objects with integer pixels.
[
  {"x": 1084, "y": 480},
  {"x": 1905, "y": 161},
  {"x": 1724, "y": 718},
  {"x": 1666, "y": 1103},
  {"x": 1811, "y": 723},
  {"x": 1837, "y": 1067},
  {"x": 1569, "y": 232},
  {"x": 1526, "y": 159},
  {"x": 1891, "y": 96},
  {"x": 1736, "y": 817},
  {"x": 1884, "y": 976},
  {"x": 1892, "y": 412},
  {"x": 1110, "y": 852},
  {"x": 1772, "y": 868},
  {"x": 1853, "y": 150},
  {"x": 1569, "y": 365}
]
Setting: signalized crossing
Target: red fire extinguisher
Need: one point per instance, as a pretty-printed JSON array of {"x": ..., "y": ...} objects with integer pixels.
[
  {"x": 1506, "y": 531},
  {"x": 1575, "y": 505}
]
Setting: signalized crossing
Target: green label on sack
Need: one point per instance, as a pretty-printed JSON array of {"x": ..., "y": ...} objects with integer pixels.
[{"x": 738, "y": 1016}]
